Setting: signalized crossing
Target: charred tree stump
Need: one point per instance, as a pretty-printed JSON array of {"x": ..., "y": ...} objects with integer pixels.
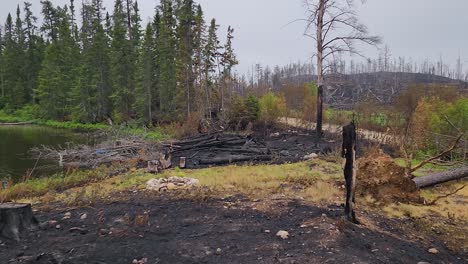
[
  {"x": 16, "y": 218},
  {"x": 348, "y": 152}
]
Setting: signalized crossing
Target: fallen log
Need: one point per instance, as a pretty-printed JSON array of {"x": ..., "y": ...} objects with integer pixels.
[
  {"x": 233, "y": 159},
  {"x": 441, "y": 177},
  {"x": 16, "y": 218},
  {"x": 16, "y": 124}
]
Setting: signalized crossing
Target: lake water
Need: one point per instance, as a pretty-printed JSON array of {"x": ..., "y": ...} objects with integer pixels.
[{"x": 17, "y": 141}]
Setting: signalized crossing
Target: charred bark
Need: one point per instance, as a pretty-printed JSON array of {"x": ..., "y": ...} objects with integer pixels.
[
  {"x": 349, "y": 153},
  {"x": 15, "y": 219}
]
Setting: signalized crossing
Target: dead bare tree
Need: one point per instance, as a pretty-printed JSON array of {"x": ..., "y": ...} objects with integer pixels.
[{"x": 334, "y": 26}]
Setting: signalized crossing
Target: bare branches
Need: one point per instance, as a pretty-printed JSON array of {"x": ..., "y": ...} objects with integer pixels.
[
  {"x": 438, "y": 156},
  {"x": 433, "y": 202},
  {"x": 337, "y": 26}
]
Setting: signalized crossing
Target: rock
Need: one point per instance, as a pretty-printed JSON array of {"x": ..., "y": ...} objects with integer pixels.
[
  {"x": 284, "y": 153},
  {"x": 66, "y": 216},
  {"x": 267, "y": 231},
  {"x": 283, "y": 234},
  {"x": 103, "y": 232},
  {"x": 423, "y": 262},
  {"x": 141, "y": 261},
  {"x": 433, "y": 251},
  {"x": 218, "y": 251},
  {"x": 310, "y": 156},
  {"x": 276, "y": 134},
  {"x": 171, "y": 183},
  {"x": 83, "y": 216},
  {"x": 58, "y": 227}
]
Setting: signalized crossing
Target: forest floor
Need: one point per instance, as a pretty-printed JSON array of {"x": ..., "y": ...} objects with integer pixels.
[{"x": 234, "y": 216}]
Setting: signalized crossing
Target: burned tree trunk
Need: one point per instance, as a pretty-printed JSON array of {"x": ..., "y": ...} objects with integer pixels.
[
  {"x": 436, "y": 178},
  {"x": 349, "y": 153},
  {"x": 16, "y": 218}
]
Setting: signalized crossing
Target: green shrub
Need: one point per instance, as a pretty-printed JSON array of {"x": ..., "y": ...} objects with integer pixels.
[
  {"x": 272, "y": 107},
  {"x": 243, "y": 111}
]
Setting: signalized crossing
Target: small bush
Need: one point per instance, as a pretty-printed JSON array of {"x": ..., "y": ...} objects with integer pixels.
[
  {"x": 309, "y": 109},
  {"x": 243, "y": 111},
  {"x": 272, "y": 107}
]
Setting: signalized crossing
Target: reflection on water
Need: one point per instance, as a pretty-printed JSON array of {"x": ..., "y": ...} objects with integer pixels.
[{"x": 16, "y": 141}]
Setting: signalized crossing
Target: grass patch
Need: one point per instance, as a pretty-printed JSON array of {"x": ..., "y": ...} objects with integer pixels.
[{"x": 56, "y": 183}]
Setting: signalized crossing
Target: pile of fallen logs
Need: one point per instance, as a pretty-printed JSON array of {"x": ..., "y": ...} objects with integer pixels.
[
  {"x": 201, "y": 151},
  {"x": 105, "y": 153},
  {"x": 216, "y": 149}
]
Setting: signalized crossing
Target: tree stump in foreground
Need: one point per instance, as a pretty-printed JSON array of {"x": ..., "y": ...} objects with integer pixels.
[{"x": 16, "y": 218}]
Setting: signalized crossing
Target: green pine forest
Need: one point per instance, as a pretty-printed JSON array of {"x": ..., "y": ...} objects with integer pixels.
[{"x": 81, "y": 63}]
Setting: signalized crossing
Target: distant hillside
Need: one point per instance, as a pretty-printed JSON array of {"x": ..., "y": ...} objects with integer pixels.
[{"x": 344, "y": 90}]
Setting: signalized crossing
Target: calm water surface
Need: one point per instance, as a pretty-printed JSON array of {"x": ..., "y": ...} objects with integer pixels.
[{"x": 16, "y": 141}]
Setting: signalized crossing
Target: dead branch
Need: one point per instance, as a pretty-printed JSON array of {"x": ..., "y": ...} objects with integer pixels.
[
  {"x": 438, "y": 156},
  {"x": 433, "y": 202}
]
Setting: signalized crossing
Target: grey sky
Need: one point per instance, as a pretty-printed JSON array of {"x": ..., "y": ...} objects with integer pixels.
[{"x": 411, "y": 28}]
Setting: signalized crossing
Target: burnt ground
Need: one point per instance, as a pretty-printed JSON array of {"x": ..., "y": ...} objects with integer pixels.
[
  {"x": 272, "y": 147},
  {"x": 167, "y": 229}
]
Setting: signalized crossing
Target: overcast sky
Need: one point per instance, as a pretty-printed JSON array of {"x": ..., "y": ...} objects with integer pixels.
[{"x": 411, "y": 28}]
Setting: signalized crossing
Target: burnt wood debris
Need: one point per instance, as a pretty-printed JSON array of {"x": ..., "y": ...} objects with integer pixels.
[{"x": 349, "y": 154}]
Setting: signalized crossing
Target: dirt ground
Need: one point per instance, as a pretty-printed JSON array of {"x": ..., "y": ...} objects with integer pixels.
[{"x": 136, "y": 225}]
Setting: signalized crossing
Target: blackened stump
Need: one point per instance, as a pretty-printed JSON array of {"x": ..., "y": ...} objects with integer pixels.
[
  {"x": 16, "y": 218},
  {"x": 349, "y": 154}
]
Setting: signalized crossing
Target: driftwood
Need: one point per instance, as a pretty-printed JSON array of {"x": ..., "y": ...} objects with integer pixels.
[
  {"x": 437, "y": 178},
  {"x": 16, "y": 218}
]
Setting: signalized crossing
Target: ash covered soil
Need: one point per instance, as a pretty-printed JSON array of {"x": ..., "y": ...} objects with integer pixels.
[{"x": 160, "y": 228}]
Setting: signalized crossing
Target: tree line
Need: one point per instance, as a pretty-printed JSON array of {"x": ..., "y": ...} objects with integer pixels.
[{"x": 108, "y": 67}]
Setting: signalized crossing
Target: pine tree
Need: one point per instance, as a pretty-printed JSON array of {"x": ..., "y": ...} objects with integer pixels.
[
  {"x": 2, "y": 72},
  {"x": 228, "y": 61},
  {"x": 146, "y": 88},
  {"x": 34, "y": 54},
  {"x": 210, "y": 59},
  {"x": 121, "y": 66},
  {"x": 185, "y": 52},
  {"x": 199, "y": 42},
  {"x": 59, "y": 70},
  {"x": 166, "y": 53},
  {"x": 83, "y": 94},
  {"x": 14, "y": 80},
  {"x": 49, "y": 26}
]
